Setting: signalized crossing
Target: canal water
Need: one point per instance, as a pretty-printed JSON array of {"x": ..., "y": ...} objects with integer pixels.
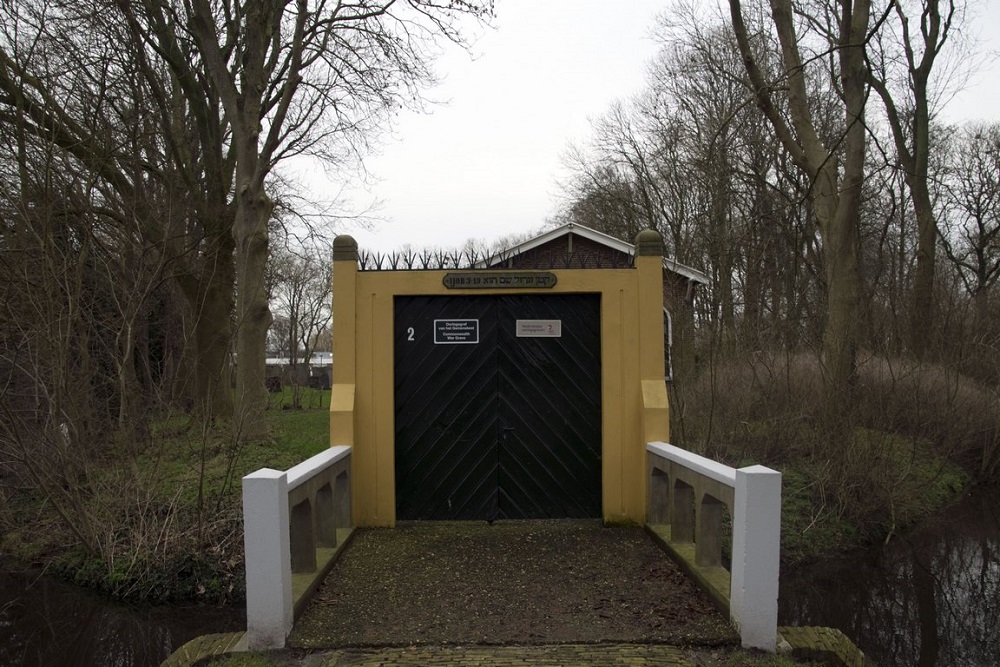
[
  {"x": 930, "y": 598},
  {"x": 45, "y": 622}
]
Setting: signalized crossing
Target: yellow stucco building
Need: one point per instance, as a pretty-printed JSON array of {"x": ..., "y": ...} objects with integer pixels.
[{"x": 498, "y": 393}]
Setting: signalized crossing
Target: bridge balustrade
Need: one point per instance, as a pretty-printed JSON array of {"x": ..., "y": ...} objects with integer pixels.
[
  {"x": 693, "y": 502},
  {"x": 294, "y": 524}
]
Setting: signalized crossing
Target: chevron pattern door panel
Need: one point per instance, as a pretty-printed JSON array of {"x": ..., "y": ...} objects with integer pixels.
[
  {"x": 550, "y": 408},
  {"x": 446, "y": 419},
  {"x": 497, "y": 407}
]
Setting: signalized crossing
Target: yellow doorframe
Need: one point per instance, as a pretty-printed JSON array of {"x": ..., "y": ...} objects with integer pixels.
[{"x": 633, "y": 391}]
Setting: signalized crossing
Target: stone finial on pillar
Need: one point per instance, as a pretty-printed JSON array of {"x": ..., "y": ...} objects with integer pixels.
[
  {"x": 649, "y": 243},
  {"x": 345, "y": 249}
]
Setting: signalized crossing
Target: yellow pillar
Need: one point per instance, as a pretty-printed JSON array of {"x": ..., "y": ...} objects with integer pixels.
[
  {"x": 656, "y": 410},
  {"x": 345, "y": 280},
  {"x": 655, "y": 406}
]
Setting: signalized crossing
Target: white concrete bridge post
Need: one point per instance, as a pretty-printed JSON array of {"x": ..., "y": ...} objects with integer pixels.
[
  {"x": 268, "y": 559},
  {"x": 756, "y": 556}
]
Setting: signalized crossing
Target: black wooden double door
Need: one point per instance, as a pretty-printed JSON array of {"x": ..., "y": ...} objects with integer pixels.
[{"x": 498, "y": 406}]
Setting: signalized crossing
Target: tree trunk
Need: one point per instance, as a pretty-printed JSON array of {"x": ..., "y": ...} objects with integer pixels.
[
  {"x": 213, "y": 396},
  {"x": 982, "y": 323},
  {"x": 843, "y": 279},
  {"x": 204, "y": 375},
  {"x": 837, "y": 188},
  {"x": 912, "y": 138},
  {"x": 840, "y": 230},
  {"x": 253, "y": 317},
  {"x": 241, "y": 94},
  {"x": 922, "y": 315}
]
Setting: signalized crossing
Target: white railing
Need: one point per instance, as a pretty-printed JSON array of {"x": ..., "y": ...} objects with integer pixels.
[
  {"x": 293, "y": 524},
  {"x": 688, "y": 498}
]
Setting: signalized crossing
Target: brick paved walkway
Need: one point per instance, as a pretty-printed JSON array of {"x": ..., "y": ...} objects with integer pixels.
[
  {"x": 512, "y": 583},
  {"x": 585, "y": 655}
]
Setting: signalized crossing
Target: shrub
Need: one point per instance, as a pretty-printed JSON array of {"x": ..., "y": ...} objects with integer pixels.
[{"x": 892, "y": 462}]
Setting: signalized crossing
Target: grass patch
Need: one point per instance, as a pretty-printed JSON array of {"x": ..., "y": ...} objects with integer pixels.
[
  {"x": 742, "y": 658},
  {"x": 241, "y": 660},
  {"x": 891, "y": 464},
  {"x": 810, "y": 525},
  {"x": 878, "y": 485},
  {"x": 299, "y": 433},
  {"x": 167, "y": 511},
  {"x": 308, "y": 399},
  {"x": 207, "y": 463}
]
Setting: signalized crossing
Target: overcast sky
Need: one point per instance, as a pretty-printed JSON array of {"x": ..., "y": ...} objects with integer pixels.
[{"x": 486, "y": 161}]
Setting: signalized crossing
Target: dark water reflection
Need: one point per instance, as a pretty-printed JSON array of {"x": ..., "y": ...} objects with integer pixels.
[
  {"x": 46, "y": 622},
  {"x": 931, "y": 598}
]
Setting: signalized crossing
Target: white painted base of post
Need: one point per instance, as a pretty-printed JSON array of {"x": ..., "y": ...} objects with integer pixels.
[
  {"x": 268, "y": 559},
  {"x": 756, "y": 553}
]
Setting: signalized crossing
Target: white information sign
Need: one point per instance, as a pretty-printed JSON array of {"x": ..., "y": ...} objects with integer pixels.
[
  {"x": 539, "y": 328},
  {"x": 456, "y": 332}
]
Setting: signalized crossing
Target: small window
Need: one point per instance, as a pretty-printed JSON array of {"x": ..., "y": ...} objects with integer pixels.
[{"x": 668, "y": 341}]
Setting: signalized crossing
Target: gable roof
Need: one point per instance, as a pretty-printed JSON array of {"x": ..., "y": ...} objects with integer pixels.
[{"x": 694, "y": 275}]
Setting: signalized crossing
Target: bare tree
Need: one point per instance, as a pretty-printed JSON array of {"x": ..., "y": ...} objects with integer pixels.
[
  {"x": 291, "y": 75},
  {"x": 120, "y": 116},
  {"x": 79, "y": 275},
  {"x": 301, "y": 296},
  {"x": 123, "y": 177},
  {"x": 908, "y": 99},
  {"x": 694, "y": 157},
  {"x": 833, "y": 165},
  {"x": 972, "y": 238},
  {"x": 235, "y": 87}
]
